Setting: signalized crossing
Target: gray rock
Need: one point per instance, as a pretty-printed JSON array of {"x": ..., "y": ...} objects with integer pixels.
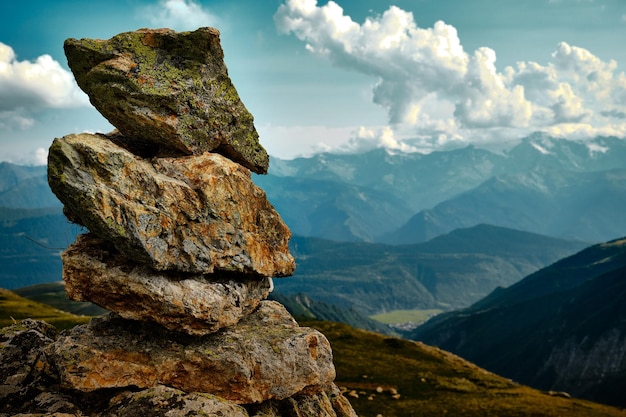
[
  {"x": 194, "y": 303},
  {"x": 170, "y": 402},
  {"x": 266, "y": 356},
  {"x": 168, "y": 93},
  {"x": 327, "y": 403},
  {"x": 196, "y": 214},
  {"x": 24, "y": 368}
]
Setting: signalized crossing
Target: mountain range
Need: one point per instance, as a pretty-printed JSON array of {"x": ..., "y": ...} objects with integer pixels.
[
  {"x": 25, "y": 187},
  {"x": 586, "y": 206},
  {"x": 447, "y": 272},
  {"x": 561, "y": 328},
  {"x": 543, "y": 185}
]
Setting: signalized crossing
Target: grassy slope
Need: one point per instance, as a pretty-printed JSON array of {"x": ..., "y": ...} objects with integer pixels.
[
  {"x": 13, "y": 307},
  {"x": 432, "y": 382},
  {"x": 53, "y": 294}
]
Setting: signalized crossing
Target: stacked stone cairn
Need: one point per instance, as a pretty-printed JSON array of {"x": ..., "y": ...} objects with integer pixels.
[{"x": 181, "y": 249}]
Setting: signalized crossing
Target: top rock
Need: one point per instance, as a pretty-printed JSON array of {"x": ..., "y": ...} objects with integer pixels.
[{"x": 168, "y": 93}]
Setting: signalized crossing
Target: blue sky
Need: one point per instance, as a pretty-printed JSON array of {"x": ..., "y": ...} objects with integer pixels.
[{"x": 345, "y": 76}]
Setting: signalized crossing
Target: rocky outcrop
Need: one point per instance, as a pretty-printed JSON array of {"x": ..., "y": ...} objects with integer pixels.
[
  {"x": 162, "y": 400},
  {"x": 182, "y": 248},
  {"x": 29, "y": 372},
  {"x": 168, "y": 93},
  {"x": 193, "y": 214}
]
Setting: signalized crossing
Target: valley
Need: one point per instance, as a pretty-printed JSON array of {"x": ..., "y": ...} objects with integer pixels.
[{"x": 563, "y": 327}]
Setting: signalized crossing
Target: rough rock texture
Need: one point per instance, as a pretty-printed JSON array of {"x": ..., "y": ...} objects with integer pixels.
[
  {"x": 168, "y": 92},
  {"x": 24, "y": 369},
  {"x": 194, "y": 214},
  {"x": 196, "y": 304},
  {"x": 165, "y": 401},
  {"x": 182, "y": 248},
  {"x": 328, "y": 403},
  {"x": 34, "y": 386},
  {"x": 266, "y": 356}
]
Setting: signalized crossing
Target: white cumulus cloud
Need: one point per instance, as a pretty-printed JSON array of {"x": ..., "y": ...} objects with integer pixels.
[
  {"x": 427, "y": 81},
  {"x": 179, "y": 15},
  {"x": 42, "y": 83},
  {"x": 365, "y": 139}
]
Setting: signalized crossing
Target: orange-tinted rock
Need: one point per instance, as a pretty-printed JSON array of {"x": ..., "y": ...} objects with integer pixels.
[
  {"x": 266, "y": 356},
  {"x": 195, "y": 214}
]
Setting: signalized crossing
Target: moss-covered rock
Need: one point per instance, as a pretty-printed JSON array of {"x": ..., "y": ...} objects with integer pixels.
[{"x": 168, "y": 93}]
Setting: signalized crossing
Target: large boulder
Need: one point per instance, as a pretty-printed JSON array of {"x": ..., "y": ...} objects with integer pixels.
[
  {"x": 168, "y": 93},
  {"x": 265, "y": 356},
  {"x": 195, "y": 214},
  {"x": 197, "y": 304}
]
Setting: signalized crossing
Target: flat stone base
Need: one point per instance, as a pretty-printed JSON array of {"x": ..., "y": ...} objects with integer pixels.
[{"x": 266, "y": 356}]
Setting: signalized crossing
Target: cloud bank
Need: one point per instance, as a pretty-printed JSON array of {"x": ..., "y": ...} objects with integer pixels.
[
  {"x": 27, "y": 87},
  {"x": 436, "y": 93}
]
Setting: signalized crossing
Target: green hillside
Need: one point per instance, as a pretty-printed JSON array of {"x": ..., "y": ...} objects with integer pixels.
[
  {"x": 562, "y": 328},
  {"x": 14, "y": 307},
  {"x": 431, "y": 382}
]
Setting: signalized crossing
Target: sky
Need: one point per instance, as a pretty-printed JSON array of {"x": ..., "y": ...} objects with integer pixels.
[{"x": 345, "y": 76}]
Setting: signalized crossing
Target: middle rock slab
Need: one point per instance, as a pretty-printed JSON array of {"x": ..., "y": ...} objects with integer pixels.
[
  {"x": 197, "y": 304},
  {"x": 196, "y": 214}
]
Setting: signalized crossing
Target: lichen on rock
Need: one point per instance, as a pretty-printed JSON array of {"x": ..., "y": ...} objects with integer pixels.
[
  {"x": 168, "y": 92},
  {"x": 182, "y": 248}
]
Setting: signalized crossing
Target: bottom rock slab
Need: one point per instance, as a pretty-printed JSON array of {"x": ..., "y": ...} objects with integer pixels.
[
  {"x": 266, "y": 356},
  {"x": 170, "y": 402}
]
